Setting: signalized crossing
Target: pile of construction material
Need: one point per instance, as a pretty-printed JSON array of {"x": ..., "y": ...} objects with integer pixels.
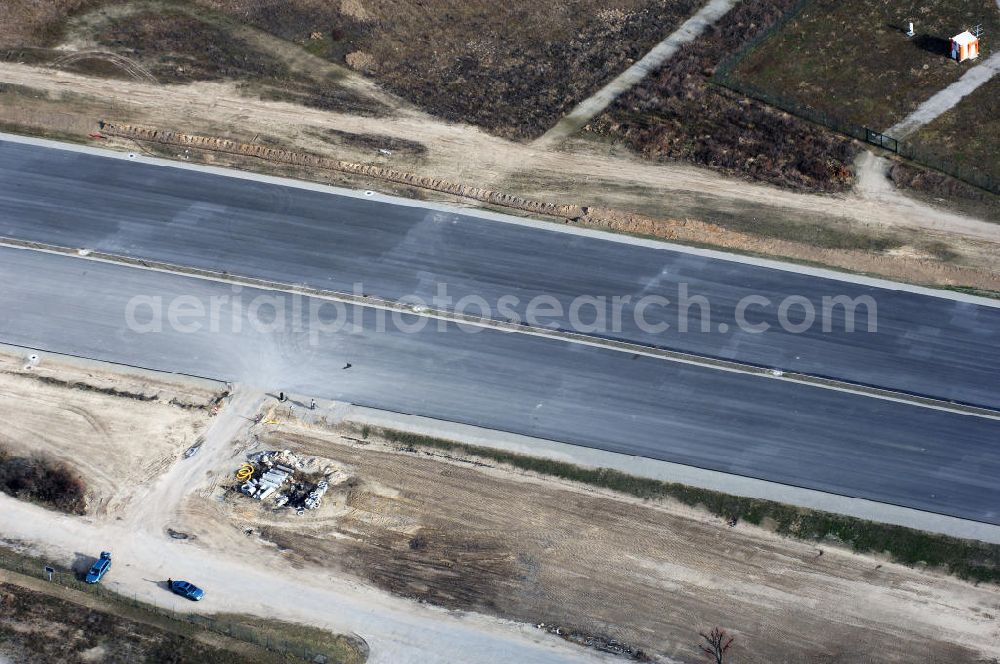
[
  {"x": 315, "y": 497},
  {"x": 267, "y": 484},
  {"x": 279, "y": 474}
]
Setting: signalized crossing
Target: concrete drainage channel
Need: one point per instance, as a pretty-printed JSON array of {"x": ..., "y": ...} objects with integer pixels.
[{"x": 505, "y": 326}]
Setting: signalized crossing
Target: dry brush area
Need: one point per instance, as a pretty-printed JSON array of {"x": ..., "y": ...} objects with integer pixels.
[
  {"x": 512, "y": 68},
  {"x": 678, "y": 113}
]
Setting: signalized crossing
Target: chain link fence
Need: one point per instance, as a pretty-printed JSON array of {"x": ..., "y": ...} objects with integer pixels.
[
  {"x": 69, "y": 579},
  {"x": 921, "y": 154}
]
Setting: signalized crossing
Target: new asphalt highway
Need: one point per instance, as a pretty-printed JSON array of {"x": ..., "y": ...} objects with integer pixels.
[
  {"x": 733, "y": 422},
  {"x": 924, "y": 344}
]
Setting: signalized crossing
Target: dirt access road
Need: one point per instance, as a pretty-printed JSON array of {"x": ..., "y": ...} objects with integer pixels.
[{"x": 140, "y": 480}]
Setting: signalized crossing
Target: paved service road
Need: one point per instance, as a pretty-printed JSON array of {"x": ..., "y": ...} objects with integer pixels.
[
  {"x": 924, "y": 345},
  {"x": 732, "y": 422}
]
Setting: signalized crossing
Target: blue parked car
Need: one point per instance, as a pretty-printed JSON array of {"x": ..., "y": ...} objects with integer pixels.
[
  {"x": 99, "y": 568},
  {"x": 187, "y": 589}
]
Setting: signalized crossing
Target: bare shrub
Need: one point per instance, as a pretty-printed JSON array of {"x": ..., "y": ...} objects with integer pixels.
[{"x": 42, "y": 480}]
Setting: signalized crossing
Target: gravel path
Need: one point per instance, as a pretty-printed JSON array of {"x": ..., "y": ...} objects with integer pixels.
[
  {"x": 946, "y": 99},
  {"x": 592, "y": 106}
]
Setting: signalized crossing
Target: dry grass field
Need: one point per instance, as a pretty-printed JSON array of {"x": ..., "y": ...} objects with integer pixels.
[
  {"x": 970, "y": 132},
  {"x": 511, "y": 68},
  {"x": 677, "y": 113},
  {"x": 850, "y": 59}
]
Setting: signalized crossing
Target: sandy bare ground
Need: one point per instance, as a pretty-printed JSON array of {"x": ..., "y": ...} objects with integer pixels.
[
  {"x": 116, "y": 443},
  {"x": 581, "y": 172},
  {"x": 535, "y": 549},
  {"x": 478, "y": 544},
  {"x": 138, "y": 475}
]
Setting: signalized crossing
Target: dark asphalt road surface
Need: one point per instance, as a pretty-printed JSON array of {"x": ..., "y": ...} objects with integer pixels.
[
  {"x": 923, "y": 345},
  {"x": 762, "y": 427}
]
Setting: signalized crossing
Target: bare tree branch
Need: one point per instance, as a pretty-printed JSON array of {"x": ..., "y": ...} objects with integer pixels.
[{"x": 717, "y": 644}]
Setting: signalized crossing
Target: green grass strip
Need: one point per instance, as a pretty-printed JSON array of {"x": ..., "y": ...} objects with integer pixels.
[{"x": 967, "y": 559}]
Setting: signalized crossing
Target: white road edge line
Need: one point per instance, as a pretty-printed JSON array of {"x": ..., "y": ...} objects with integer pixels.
[
  {"x": 593, "y": 457},
  {"x": 623, "y": 347},
  {"x": 667, "y": 471},
  {"x": 607, "y": 236}
]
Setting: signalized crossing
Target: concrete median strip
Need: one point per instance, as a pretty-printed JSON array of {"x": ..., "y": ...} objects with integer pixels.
[{"x": 375, "y": 302}]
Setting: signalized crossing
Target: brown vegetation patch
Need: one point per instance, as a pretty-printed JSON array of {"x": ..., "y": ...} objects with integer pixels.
[
  {"x": 179, "y": 48},
  {"x": 941, "y": 188},
  {"x": 373, "y": 142},
  {"x": 42, "y": 480},
  {"x": 677, "y": 113},
  {"x": 330, "y": 98},
  {"x": 28, "y": 23},
  {"x": 512, "y": 68},
  {"x": 968, "y": 136},
  {"x": 41, "y": 627}
]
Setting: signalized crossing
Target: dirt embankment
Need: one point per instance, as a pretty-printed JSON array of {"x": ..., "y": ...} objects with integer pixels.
[
  {"x": 471, "y": 536},
  {"x": 276, "y": 155}
]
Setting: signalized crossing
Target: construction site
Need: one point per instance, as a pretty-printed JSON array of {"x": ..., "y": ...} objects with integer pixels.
[
  {"x": 221, "y": 223},
  {"x": 291, "y": 89},
  {"x": 317, "y": 492}
]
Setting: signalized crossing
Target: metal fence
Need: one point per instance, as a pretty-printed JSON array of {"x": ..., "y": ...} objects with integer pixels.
[
  {"x": 236, "y": 631},
  {"x": 917, "y": 153},
  {"x": 881, "y": 140}
]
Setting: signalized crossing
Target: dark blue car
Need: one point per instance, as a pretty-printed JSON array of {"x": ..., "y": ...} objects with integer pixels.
[
  {"x": 187, "y": 589},
  {"x": 99, "y": 568}
]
